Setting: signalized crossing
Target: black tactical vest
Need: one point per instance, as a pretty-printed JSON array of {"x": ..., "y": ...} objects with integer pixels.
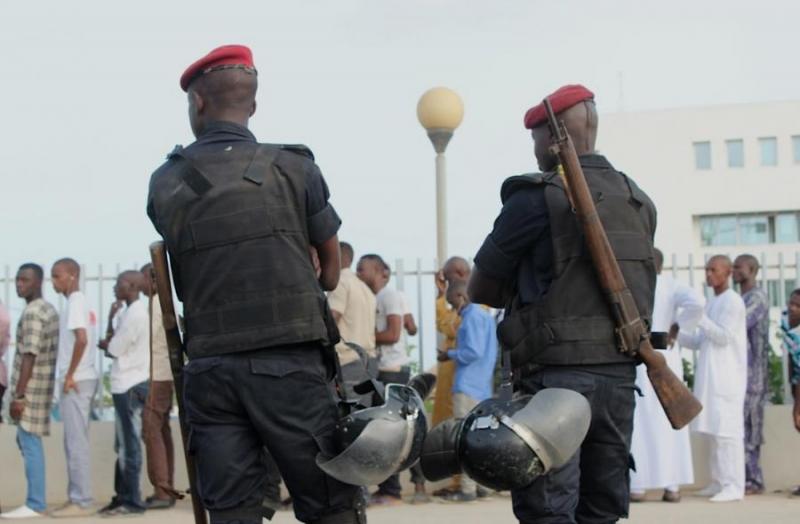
[
  {"x": 572, "y": 324},
  {"x": 235, "y": 227}
]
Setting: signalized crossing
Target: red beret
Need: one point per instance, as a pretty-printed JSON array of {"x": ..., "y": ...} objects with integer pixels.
[
  {"x": 561, "y": 100},
  {"x": 223, "y": 57}
]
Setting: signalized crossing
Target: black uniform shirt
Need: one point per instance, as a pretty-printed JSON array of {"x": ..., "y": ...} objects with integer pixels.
[
  {"x": 323, "y": 222},
  {"x": 519, "y": 247}
]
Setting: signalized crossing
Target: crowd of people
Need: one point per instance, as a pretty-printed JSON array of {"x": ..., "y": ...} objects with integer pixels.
[
  {"x": 55, "y": 362},
  {"x": 730, "y": 332},
  {"x": 55, "y": 356}
]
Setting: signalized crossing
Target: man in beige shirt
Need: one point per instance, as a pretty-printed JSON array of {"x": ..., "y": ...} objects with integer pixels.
[
  {"x": 156, "y": 432},
  {"x": 353, "y": 306}
]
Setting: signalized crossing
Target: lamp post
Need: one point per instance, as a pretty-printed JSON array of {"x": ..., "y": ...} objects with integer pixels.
[{"x": 440, "y": 111}]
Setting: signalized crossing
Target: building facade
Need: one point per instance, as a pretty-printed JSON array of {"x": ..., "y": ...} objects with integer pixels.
[{"x": 725, "y": 179}]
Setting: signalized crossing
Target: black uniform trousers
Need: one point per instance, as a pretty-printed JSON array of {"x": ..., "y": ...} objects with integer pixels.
[
  {"x": 593, "y": 487},
  {"x": 278, "y": 398}
]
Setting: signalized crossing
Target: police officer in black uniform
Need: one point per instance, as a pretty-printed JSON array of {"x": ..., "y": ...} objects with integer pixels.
[
  {"x": 240, "y": 220},
  {"x": 558, "y": 325}
]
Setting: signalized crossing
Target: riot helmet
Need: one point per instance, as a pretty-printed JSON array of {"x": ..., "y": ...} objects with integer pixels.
[
  {"x": 506, "y": 444},
  {"x": 380, "y": 441}
]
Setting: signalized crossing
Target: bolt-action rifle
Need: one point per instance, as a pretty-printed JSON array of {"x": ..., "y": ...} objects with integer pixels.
[
  {"x": 158, "y": 255},
  {"x": 632, "y": 333}
]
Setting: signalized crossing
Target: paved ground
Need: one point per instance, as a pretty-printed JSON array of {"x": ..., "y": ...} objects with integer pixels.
[{"x": 766, "y": 509}]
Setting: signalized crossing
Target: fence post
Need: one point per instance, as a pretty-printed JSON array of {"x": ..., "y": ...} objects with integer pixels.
[
  {"x": 6, "y": 300},
  {"x": 400, "y": 274},
  {"x": 787, "y": 388},
  {"x": 797, "y": 270},
  {"x": 100, "y": 316},
  {"x": 421, "y": 324}
]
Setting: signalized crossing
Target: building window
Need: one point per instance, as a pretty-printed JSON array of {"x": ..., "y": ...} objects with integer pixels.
[
  {"x": 750, "y": 229},
  {"x": 796, "y": 148},
  {"x": 718, "y": 231},
  {"x": 702, "y": 155},
  {"x": 753, "y": 229},
  {"x": 787, "y": 228},
  {"x": 735, "y": 153},
  {"x": 769, "y": 151}
]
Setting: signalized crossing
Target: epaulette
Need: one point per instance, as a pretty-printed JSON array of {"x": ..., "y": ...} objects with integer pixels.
[
  {"x": 175, "y": 151},
  {"x": 300, "y": 149},
  {"x": 514, "y": 183}
]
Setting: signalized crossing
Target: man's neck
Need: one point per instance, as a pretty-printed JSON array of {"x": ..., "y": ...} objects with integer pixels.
[
  {"x": 131, "y": 300},
  {"x": 747, "y": 285},
  {"x": 378, "y": 287},
  {"x": 721, "y": 289},
  {"x": 34, "y": 296}
]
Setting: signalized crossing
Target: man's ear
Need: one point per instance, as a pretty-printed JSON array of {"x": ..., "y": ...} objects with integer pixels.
[
  {"x": 197, "y": 101},
  {"x": 253, "y": 109}
]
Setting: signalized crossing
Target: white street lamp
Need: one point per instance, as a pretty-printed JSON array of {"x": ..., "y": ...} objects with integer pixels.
[{"x": 440, "y": 111}]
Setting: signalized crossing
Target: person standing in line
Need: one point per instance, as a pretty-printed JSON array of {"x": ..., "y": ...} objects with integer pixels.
[
  {"x": 392, "y": 358},
  {"x": 663, "y": 456},
  {"x": 156, "y": 431},
  {"x": 33, "y": 383},
  {"x": 352, "y": 304},
  {"x": 77, "y": 382},
  {"x": 721, "y": 381},
  {"x": 5, "y": 339},
  {"x": 475, "y": 356},
  {"x": 130, "y": 370},
  {"x": 745, "y": 270},
  {"x": 790, "y": 328},
  {"x": 455, "y": 269}
]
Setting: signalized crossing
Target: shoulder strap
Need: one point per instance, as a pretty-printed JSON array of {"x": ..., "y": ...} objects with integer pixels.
[
  {"x": 300, "y": 149},
  {"x": 261, "y": 162},
  {"x": 191, "y": 175}
]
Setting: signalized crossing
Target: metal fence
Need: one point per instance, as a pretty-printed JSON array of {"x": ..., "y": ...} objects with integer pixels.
[{"x": 779, "y": 276}]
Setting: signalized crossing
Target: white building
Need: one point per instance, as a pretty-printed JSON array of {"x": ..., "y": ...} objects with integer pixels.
[{"x": 725, "y": 179}]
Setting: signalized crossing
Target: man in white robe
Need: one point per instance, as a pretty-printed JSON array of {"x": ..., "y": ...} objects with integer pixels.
[
  {"x": 721, "y": 381},
  {"x": 663, "y": 456}
]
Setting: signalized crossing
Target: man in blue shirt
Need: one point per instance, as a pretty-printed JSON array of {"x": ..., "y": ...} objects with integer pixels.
[{"x": 475, "y": 356}]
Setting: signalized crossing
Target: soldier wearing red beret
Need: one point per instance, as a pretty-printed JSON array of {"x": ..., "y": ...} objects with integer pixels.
[
  {"x": 239, "y": 219},
  {"x": 558, "y": 326}
]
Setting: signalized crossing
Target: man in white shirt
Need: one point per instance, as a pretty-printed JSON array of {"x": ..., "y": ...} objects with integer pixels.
[
  {"x": 663, "y": 456},
  {"x": 77, "y": 382},
  {"x": 392, "y": 357},
  {"x": 129, "y": 346},
  {"x": 721, "y": 381}
]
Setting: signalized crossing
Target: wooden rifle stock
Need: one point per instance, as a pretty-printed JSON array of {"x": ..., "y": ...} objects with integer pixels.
[
  {"x": 678, "y": 402},
  {"x": 158, "y": 255}
]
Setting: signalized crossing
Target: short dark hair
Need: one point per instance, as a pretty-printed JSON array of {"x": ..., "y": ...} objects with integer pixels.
[
  {"x": 36, "y": 268},
  {"x": 378, "y": 259},
  {"x": 795, "y": 292},
  {"x": 71, "y": 265}
]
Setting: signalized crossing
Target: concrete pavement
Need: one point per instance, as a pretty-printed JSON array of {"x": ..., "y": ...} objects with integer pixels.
[{"x": 774, "y": 508}]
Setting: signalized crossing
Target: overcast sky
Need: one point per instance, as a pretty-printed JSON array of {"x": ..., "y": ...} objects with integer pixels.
[{"x": 90, "y": 101}]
